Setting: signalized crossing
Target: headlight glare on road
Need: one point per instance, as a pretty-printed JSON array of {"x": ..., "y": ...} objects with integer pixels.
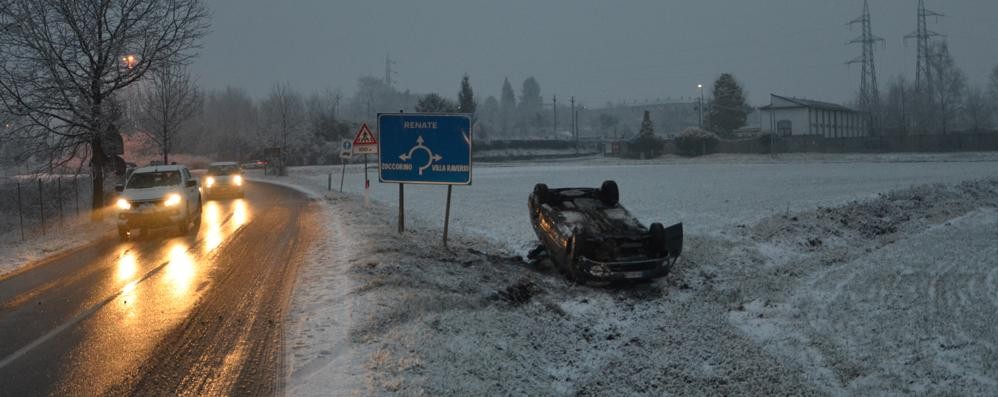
[
  {"x": 238, "y": 180},
  {"x": 172, "y": 200},
  {"x": 209, "y": 181},
  {"x": 123, "y": 204}
]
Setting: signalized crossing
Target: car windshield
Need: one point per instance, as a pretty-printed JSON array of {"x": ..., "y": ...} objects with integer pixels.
[
  {"x": 146, "y": 180},
  {"x": 223, "y": 169}
]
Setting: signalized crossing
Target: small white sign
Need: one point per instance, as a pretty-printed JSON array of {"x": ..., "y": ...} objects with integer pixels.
[{"x": 346, "y": 149}]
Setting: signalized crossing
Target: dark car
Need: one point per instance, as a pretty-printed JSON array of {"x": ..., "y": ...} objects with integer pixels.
[
  {"x": 591, "y": 237},
  {"x": 224, "y": 179}
]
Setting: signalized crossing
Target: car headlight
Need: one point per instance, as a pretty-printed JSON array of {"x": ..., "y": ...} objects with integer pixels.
[
  {"x": 238, "y": 180},
  {"x": 123, "y": 204},
  {"x": 172, "y": 200},
  {"x": 209, "y": 181}
]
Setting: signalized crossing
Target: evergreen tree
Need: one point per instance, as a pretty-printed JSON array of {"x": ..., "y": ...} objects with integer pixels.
[
  {"x": 433, "y": 103},
  {"x": 727, "y": 109},
  {"x": 531, "y": 105},
  {"x": 507, "y": 106},
  {"x": 647, "y": 129},
  {"x": 466, "y": 97}
]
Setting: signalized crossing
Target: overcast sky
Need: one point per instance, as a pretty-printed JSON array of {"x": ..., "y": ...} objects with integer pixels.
[{"x": 598, "y": 51}]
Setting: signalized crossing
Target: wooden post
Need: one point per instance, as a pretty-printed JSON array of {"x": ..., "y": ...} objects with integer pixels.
[
  {"x": 343, "y": 173},
  {"x": 20, "y": 214},
  {"x": 41, "y": 205},
  {"x": 450, "y": 188},
  {"x": 329, "y": 182},
  {"x": 59, "y": 190},
  {"x": 401, "y": 208}
]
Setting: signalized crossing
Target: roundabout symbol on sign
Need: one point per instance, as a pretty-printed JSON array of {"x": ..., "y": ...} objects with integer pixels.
[{"x": 431, "y": 157}]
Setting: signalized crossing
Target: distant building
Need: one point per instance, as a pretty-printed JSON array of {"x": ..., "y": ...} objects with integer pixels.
[{"x": 788, "y": 116}]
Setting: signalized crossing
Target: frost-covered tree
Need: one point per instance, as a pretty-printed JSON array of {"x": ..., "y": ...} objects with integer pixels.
[
  {"x": 530, "y": 107},
  {"x": 993, "y": 92},
  {"x": 507, "y": 107},
  {"x": 466, "y": 97},
  {"x": 977, "y": 112},
  {"x": 897, "y": 107},
  {"x": 948, "y": 83},
  {"x": 228, "y": 127},
  {"x": 727, "y": 109},
  {"x": 434, "y": 103},
  {"x": 284, "y": 119},
  {"x": 165, "y": 104},
  {"x": 64, "y": 61},
  {"x": 647, "y": 128}
]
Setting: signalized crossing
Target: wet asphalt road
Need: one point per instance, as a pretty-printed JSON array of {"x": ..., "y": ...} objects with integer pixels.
[{"x": 162, "y": 314}]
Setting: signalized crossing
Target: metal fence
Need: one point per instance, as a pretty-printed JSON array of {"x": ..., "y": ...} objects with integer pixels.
[{"x": 38, "y": 204}]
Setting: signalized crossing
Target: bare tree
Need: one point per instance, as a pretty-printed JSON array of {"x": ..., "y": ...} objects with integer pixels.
[
  {"x": 949, "y": 83},
  {"x": 977, "y": 111},
  {"x": 166, "y": 102},
  {"x": 284, "y": 112},
  {"x": 63, "y": 61}
]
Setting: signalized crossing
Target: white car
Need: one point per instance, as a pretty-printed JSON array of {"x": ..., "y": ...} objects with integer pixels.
[
  {"x": 223, "y": 178},
  {"x": 158, "y": 196}
]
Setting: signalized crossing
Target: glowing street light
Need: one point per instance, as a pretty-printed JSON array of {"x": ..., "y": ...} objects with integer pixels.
[{"x": 129, "y": 61}]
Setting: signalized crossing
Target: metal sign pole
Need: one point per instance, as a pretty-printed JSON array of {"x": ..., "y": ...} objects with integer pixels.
[
  {"x": 401, "y": 208},
  {"x": 450, "y": 188},
  {"x": 343, "y": 173}
]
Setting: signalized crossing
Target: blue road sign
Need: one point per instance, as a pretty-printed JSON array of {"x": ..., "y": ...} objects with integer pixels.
[{"x": 424, "y": 148}]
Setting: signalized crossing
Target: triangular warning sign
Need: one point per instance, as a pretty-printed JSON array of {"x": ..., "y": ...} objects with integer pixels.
[{"x": 364, "y": 137}]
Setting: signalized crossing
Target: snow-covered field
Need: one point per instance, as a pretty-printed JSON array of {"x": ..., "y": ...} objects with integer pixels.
[
  {"x": 707, "y": 194},
  {"x": 788, "y": 285}
]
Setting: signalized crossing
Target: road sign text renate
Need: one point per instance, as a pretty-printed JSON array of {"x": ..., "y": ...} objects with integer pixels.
[{"x": 425, "y": 125}]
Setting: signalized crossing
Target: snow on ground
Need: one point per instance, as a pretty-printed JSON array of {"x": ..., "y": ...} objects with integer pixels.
[
  {"x": 73, "y": 232},
  {"x": 708, "y": 194},
  {"x": 808, "y": 282}
]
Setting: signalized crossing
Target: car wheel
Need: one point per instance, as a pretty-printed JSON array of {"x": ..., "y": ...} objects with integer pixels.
[
  {"x": 609, "y": 194},
  {"x": 185, "y": 223},
  {"x": 123, "y": 234},
  {"x": 542, "y": 194}
]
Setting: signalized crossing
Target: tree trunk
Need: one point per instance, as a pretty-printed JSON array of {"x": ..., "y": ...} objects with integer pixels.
[{"x": 97, "y": 161}]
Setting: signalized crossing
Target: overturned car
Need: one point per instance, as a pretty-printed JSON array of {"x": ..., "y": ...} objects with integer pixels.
[{"x": 590, "y": 237}]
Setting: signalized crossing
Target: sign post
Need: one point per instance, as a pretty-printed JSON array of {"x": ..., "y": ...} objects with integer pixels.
[
  {"x": 365, "y": 143},
  {"x": 420, "y": 148},
  {"x": 346, "y": 153}
]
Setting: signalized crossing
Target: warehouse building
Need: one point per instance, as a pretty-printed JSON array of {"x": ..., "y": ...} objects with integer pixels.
[{"x": 789, "y": 116}]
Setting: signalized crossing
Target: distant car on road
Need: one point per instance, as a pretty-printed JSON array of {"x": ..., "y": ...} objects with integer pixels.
[
  {"x": 591, "y": 237},
  {"x": 223, "y": 178},
  {"x": 158, "y": 196},
  {"x": 255, "y": 164}
]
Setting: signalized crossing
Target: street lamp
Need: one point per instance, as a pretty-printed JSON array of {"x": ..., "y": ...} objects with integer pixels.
[
  {"x": 129, "y": 61},
  {"x": 700, "y": 107}
]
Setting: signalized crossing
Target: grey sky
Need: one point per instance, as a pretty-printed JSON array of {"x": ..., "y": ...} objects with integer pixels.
[{"x": 598, "y": 51}]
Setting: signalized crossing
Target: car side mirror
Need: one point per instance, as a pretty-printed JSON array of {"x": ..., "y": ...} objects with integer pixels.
[
  {"x": 119, "y": 188},
  {"x": 192, "y": 183}
]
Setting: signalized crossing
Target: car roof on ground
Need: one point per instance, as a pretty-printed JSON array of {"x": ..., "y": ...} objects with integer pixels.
[
  {"x": 222, "y": 163},
  {"x": 158, "y": 168}
]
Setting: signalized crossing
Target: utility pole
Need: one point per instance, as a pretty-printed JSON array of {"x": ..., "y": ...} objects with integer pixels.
[
  {"x": 554, "y": 104},
  {"x": 869, "y": 93},
  {"x": 572, "y": 115},
  {"x": 388, "y": 70}
]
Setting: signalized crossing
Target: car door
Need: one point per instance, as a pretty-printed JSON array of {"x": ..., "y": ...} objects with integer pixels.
[{"x": 190, "y": 192}]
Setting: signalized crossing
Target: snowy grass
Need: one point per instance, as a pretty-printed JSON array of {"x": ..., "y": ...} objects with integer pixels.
[{"x": 764, "y": 300}]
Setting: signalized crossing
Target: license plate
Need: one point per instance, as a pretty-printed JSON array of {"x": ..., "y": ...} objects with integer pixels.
[{"x": 632, "y": 274}]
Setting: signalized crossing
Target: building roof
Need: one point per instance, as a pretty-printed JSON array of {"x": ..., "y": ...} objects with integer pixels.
[{"x": 806, "y": 103}]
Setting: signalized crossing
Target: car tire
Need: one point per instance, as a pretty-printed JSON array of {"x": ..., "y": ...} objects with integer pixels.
[
  {"x": 609, "y": 194},
  {"x": 542, "y": 194},
  {"x": 657, "y": 237},
  {"x": 184, "y": 225}
]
